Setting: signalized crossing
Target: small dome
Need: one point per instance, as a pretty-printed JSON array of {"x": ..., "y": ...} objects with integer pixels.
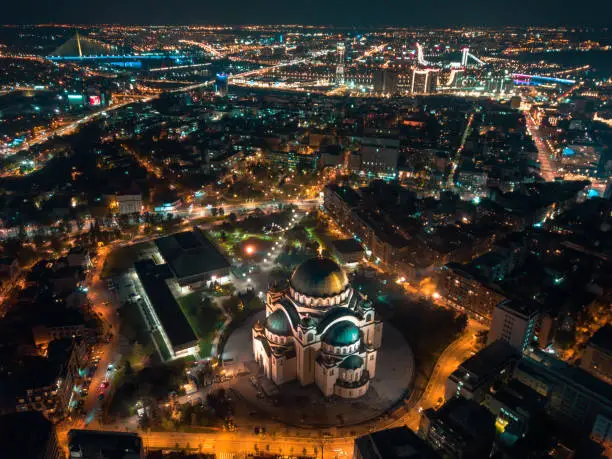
[
  {"x": 342, "y": 334},
  {"x": 278, "y": 323},
  {"x": 319, "y": 277},
  {"x": 352, "y": 362},
  {"x": 309, "y": 322}
]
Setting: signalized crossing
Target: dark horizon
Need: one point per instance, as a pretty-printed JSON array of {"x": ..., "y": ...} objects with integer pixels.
[{"x": 359, "y": 13}]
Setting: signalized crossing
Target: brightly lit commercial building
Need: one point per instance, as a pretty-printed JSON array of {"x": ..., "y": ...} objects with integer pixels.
[
  {"x": 340, "y": 61},
  {"x": 424, "y": 81},
  {"x": 193, "y": 259}
]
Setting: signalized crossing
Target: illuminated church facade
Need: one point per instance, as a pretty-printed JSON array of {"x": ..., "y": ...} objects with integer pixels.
[{"x": 319, "y": 330}]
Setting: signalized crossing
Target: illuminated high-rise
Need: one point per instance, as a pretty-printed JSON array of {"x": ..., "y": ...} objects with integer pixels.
[
  {"x": 340, "y": 60},
  {"x": 424, "y": 81},
  {"x": 221, "y": 84}
]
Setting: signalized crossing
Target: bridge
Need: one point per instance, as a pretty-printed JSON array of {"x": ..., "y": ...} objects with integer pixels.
[
  {"x": 86, "y": 49},
  {"x": 538, "y": 80},
  {"x": 80, "y": 47},
  {"x": 466, "y": 56}
]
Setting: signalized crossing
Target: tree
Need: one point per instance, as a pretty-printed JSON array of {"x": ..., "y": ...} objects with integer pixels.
[
  {"x": 128, "y": 371},
  {"x": 167, "y": 424},
  {"x": 462, "y": 323},
  {"x": 138, "y": 354}
]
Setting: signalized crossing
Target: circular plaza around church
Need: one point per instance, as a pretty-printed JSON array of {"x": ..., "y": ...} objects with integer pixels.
[{"x": 319, "y": 355}]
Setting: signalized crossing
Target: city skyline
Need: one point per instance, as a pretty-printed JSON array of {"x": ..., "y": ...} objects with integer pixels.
[{"x": 305, "y": 242}]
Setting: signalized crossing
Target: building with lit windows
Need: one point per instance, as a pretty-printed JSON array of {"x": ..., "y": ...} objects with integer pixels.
[
  {"x": 424, "y": 81},
  {"x": 468, "y": 291},
  {"x": 574, "y": 397},
  {"x": 319, "y": 330},
  {"x": 459, "y": 429},
  {"x": 221, "y": 84},
  {"x": 340, "y": 61},
  {"x": 597, "y": 356},
  {"x": 475, "y": 377},
  {"x": 513, "y": 322}
]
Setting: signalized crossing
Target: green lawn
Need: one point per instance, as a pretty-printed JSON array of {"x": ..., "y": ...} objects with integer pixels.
[{"x": 203, "y": 317}]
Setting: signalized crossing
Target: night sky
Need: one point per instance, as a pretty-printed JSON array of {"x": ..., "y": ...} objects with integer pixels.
[{"x": 334, "y": 12}]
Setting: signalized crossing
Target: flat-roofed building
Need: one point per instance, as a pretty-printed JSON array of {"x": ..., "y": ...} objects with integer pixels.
[
  {"x": 460, "y": 429},
  {"x": 575, "y": 398},
  {"x": 597, "y": 356},
  {"x": 192, "y": 258},
  {"x": 475, "y": 377},
  {"x": 28, "y": 435},
  {"x": 400, "y": 442},
  {"x": 466, "y": 290},
  {"x": 293, "y": 160},
  {"x": 514, "y": 406},
  {"x": 163, "y": 314},
  {"x": 90, "y": 444},
  {"x": 514, "y": 322},
  {"x": 348, "y": 250}
]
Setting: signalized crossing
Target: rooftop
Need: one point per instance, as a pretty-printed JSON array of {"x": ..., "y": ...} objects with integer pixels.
[
  {"x": 538, "y": 362},
  {"x": 350, "y": 196},
  {"x": 465, "y": 418},
  {"x": 100, "y": 444},
  {"x": 487, "y": 361},
  {"x": 191, "y": 254},
  {"x": 603, "y": 338},
  {"x": 24, "y": 435},
  {"x": 522, "y": 308},
  {"x": 347, "y": 246},
  {"x": 400, "y": 442},
  {"x": 153, "y": 279},
  {"x": 319, "y": 277}
]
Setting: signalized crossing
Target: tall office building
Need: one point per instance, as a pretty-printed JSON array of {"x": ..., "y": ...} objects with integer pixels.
[
  {"x": 424, "y": 81},
  {"x": 513, "y": 322},
  {"x": 464, "y": 56},
  {"x": 385, "y": 81},
  {"x": 221, "y": 83},
  {"x": 340, "y": 60}
]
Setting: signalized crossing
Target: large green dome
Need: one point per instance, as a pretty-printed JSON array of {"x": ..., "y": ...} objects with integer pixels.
[
  {"x": 278, "y": 323},
  {"x": 319, "y": 277},
  {"x": 342, "y": 334}
]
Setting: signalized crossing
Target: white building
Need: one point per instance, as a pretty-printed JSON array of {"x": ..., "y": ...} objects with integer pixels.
[
  {"x": 319, "y": 330},
  {"x": 128, "y": 204},
  {"x": 514, "y": 323}
]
